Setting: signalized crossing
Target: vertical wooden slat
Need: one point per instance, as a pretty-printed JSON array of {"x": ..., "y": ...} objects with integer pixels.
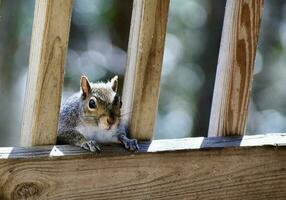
[
  {"x": 235, "y": 67},
  {"x": 46, "y": 70},
  {"x": 142, "y": 76}
]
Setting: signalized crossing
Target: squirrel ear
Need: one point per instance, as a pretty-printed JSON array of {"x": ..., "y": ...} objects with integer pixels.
[
  {"x": 85, "y": 86},
  {"x": 114, "y": 83}
]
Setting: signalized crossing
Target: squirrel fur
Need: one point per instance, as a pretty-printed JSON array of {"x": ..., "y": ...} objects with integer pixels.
[{"x": 92, "y": 116}]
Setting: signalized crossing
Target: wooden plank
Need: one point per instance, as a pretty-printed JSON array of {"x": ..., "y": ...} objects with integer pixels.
[
  {"x": 46, "y": 71},
  {"x": 142, "y": 76},
  {"x": 68, "y": 172},
  {"x": 165, "y": 145},
  {"x": 235, "y": 67}
]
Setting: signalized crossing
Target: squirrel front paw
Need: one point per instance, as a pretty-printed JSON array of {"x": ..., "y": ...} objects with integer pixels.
[
  {"x": 129, "y": 144},
  {"x": 90, "y": 145}
]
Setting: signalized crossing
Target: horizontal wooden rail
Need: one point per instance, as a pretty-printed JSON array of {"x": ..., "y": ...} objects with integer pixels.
[{"x": 164, "y": 169}]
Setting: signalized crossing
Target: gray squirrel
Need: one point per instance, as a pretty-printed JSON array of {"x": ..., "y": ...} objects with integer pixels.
[{"x": 92, "y": 116}]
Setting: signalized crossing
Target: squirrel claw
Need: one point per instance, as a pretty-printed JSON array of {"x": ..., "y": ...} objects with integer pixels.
[
  {"x": 134, "y": 145},
  {"x": 131, "y": 144},
  {"x": 90, "y": 145}
]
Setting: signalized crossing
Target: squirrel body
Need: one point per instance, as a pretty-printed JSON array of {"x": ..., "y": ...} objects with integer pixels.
[{"x": 92, "y": 116}]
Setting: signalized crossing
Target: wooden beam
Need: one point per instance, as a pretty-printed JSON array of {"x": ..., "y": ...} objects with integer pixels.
[
  {"x": 142, "y": 76},
  {"x": 46, "y": 71},
  {"x": 66, "y": 172},
  {"x": 235, "y": 67},
  {"x": 164, "y": 145}
]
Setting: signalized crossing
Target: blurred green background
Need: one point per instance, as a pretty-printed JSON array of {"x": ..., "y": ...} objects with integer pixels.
[{"x": 98, "y": 44}]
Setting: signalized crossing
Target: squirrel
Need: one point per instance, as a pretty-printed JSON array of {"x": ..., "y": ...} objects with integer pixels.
[{"x": 92, "y": 116}]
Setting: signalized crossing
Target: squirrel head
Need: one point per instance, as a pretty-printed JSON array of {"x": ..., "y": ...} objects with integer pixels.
[{"x": 100, "y": 103}]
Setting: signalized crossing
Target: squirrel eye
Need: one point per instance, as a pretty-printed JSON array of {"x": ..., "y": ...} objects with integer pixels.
[{"x": 92, "y": 104}]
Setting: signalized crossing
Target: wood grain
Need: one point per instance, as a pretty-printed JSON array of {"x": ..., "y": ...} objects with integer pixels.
[
  {"x": 46, "y": 70},
  {"x": 66, "y": 172},
  {"x": 142, "y": 76},
  {"x": 235, "y": 67},
  {"x": 165, "y": 145}
]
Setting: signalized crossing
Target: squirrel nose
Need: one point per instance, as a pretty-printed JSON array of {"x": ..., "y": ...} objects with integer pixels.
[{"x": 110, "y": 120}]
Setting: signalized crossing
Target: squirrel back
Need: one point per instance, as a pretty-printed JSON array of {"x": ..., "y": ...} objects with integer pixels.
[{"x": 69, "y": 113}]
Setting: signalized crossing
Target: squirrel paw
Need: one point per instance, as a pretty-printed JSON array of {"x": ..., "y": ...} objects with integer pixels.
[
  {"x": 131, "y": 144},
  {"x": 90, "y": 145}
]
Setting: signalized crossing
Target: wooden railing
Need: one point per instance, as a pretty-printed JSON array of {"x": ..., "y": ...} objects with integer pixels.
[
  {"x": 46, "y": 71},
  {"x": 241, "y": 167},
  {"x": 235, "y": 67}
]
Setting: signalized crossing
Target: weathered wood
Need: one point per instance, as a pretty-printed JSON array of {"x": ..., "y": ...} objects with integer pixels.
[
  {"x": 46, "y": 70},
  {"x": 165, "y": 145},
  {"x": 235, "y": 67},
  {"x": 142, "y": 76},
  {"x": 66, "y": 172}
]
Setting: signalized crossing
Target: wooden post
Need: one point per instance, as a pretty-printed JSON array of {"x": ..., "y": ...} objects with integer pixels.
[
  {"x": 142, "y": 76},
  {"x": 235, "y": 67},
  {"x": 46, "y": 71}
]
